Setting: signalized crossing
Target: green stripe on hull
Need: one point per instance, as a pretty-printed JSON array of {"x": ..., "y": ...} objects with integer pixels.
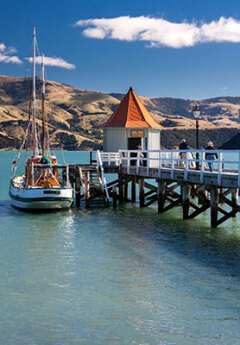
[{"x": 18, "y": 198}]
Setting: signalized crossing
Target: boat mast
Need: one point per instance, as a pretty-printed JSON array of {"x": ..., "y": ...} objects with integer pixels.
[
  {"x": 43, "y": 111},
  {"x": 34, "y": 95}
]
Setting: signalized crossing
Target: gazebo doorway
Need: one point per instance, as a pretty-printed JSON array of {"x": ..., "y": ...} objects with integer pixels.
[{"x": 133, "y": 143}]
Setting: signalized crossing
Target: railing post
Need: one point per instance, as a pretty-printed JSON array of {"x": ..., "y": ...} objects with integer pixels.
[
  {"x": 239, "y": 169},
  {"x": 202, "y": 167},
  {"x": 220, "y": 169},
  {"x": 120, "y": 158},
  {"x": 159, "y": 164},
  {"x": 67, "y": 172},
  {"x": 148, "y": 162},
  {"x": 33, "y": 184},
  {"x": 128, "y": 161},
  {"x": 172, "y": 165},
  {"x": 186, "y": 168},
  {"x": 138, "y": 161}
]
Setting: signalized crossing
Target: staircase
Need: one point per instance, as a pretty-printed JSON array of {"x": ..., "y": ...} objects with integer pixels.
[{"x": 94, "y": 191}]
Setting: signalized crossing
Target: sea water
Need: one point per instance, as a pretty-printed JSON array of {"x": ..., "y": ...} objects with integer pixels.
[{"x": 116, "y": 276}]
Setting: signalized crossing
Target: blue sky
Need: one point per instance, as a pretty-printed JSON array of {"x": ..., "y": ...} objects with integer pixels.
[{"x": 198, "y": 58}]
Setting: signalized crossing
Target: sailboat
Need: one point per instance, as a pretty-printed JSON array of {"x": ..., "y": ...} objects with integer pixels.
[{"x": 44, "y": 184}]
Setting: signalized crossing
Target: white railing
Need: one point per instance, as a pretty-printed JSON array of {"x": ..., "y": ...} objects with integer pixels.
[
  {"x": 227, "y": 161},
  {"x": 110, "y": 158},
  {"x": 102, "y": 177}
]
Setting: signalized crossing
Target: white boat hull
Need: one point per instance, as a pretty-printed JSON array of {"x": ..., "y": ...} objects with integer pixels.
[{"x": 41, "y": 198}]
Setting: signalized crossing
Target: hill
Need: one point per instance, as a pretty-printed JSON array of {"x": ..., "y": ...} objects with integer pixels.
[
  {"x": 75, "y": 116},
  {"x": 233, "y": 143}
]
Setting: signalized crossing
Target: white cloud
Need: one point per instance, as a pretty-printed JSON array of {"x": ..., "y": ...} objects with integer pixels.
[
  {"x": 57, "y": 62},
  {"x": 5, "y": 55},
  {"x": 2, "y": 47},
  {"x": 223, "y": 88},
  {"x": 160, "y": 32}
]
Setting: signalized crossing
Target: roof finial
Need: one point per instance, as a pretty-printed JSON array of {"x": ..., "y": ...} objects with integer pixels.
[{"x": 131, "y": 85}]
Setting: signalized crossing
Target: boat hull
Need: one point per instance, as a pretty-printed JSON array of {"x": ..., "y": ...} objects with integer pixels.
[{"x": 41, "y": 198}]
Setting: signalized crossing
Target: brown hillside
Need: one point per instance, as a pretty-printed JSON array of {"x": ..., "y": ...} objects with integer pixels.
[{"x": 75, "y": 116}]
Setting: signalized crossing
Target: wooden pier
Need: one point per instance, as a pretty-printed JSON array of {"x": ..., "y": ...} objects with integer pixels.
[{"x": 166, "y": 177}]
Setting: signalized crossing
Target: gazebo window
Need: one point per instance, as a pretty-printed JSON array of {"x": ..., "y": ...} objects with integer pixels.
[{"x": 137, "y": 134}]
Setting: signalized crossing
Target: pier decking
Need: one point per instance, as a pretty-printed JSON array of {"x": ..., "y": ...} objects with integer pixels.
[{"x": 176, "y": 180}]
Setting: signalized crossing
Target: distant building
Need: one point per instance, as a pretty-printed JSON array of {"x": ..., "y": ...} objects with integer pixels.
[{"x": 130, "y": 125}]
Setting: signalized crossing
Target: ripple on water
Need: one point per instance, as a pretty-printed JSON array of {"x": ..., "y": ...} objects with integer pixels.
[{"x": 125, "y": 276}]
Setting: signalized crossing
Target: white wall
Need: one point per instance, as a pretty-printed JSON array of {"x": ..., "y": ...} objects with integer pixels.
[
  {"x": 153, "y": 139},
  {"x": 114, "y": 139},
  {"x": 153, "y": 144}
]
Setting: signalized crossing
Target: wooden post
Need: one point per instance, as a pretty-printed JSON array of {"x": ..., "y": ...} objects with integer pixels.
[
  {"x": 126, "y": 190},
  {"x": 133, "y": 191},
  {"x": 221, "y": 191},
  {"x": 141, "y": 191},
  {"x": 202, "y": 197},
  {"x": 193, "y": 191},
  {"x": 114, "y": 194},
  {"x": 91, "y": 157},
  {"x": 77, "y": 188},
  {"x": 186, "y": 192},
  {"x": 235, "y": 201},
  {"x": 161, "y": 195},
  {"x": 120, "y": 186},
  {"x": 87, "y": 190},
  {"x": 214, "y": 199}
]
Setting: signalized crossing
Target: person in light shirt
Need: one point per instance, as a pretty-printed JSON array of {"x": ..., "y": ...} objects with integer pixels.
[{"x": 211, "y": 155}]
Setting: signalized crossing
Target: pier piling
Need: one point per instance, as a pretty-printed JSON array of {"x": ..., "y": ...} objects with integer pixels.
[
  {"x": 173, "y": 184},
  {"x": 161, "y": 195},
  {"x": 186, "y": 193},
  {"x": 77, "y": 188},
  {"x": 133, "y": 189},
  {"x": 214, "y": 200},
  {"x": 141, "y": 183}
]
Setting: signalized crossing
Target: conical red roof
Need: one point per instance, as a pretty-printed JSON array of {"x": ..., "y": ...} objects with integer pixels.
[{"x": 131, "y": 113}]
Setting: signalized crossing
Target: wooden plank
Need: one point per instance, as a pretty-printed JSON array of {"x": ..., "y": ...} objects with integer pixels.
[{"x": 150, "y": 202}]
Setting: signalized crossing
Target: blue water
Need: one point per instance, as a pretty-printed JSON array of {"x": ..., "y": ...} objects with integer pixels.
[{"x": 124, "y": 276}]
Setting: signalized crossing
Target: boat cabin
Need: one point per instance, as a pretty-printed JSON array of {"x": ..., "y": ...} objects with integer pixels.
[{"x": 40, "y": 172}]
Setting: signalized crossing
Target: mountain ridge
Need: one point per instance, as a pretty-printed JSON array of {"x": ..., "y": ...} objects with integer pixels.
[{"x": 75, "y": 116}]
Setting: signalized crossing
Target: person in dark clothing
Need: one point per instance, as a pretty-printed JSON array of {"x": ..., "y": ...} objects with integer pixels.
[
  {"x": 211, "y": 155},
  {"x": 183, "y": 146}
]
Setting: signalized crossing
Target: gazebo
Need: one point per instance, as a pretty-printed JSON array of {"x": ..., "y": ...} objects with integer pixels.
[{"x": 131, "y": 125}]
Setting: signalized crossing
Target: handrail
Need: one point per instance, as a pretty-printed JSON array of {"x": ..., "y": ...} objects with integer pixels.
[
  {"x": 185, "y": 160},
  {"x": 102, "y": 177},
  {"x": 40, "y": 165},
  {"x": 176, "y": 160},
  {"x": 110, "y": 157}
]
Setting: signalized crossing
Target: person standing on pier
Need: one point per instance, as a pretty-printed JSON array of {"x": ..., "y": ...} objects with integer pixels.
[
  {"x": 211, "y": 155},
  {"x": 183, "y": 146},
  {"x": 141, "y": 155}
]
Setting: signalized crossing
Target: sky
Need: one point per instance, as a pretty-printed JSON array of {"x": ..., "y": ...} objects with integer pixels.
[{"x": 166, "y": 48}]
